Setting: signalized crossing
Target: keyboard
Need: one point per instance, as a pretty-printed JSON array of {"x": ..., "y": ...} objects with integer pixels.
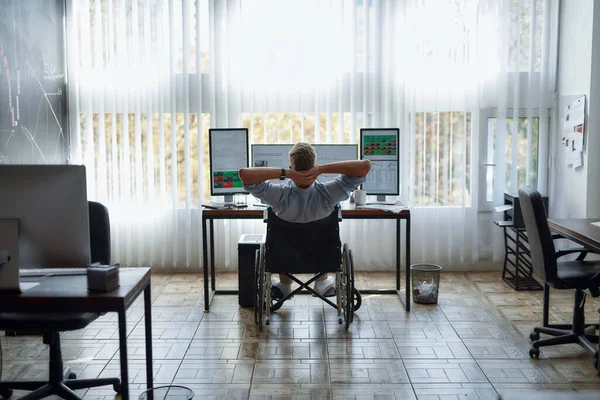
[{"x": 52, "y": 271}]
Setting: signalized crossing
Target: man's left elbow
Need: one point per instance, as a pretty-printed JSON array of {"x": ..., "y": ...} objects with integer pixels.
[{"x": 242, "y": 174}]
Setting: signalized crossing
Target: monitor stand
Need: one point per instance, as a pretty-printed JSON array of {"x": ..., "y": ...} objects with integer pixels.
[
  {"x": 228, "y": 200},
  {"x": 381, "y": 200},
  {"x": 238, "y": 200}
]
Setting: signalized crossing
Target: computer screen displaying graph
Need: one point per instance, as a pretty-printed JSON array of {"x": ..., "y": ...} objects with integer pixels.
[
  {"x": 328, "y": 153},
  {"x": 277, "y": 156},
  {"x": 381, "y": 147},
  {"x": 228, "y": 153}
]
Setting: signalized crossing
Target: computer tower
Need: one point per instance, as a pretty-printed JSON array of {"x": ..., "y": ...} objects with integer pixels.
[{"x": 247, "y": 247}]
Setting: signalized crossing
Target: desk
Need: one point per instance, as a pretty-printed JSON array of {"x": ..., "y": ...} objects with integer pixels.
[
  {"x": 57, "y": 294},
  {"x": 580, "y": 231},
  {"x": 348, "y": 212}
]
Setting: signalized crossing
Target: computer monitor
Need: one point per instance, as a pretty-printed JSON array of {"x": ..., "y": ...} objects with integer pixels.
[
  {"x": 381, "y": 146},
  {"x": 272, "y": 156},
  {"x": 328, "y": 153},
  {"x": 277, "y": 156},
  {"x": 46, "y": 207},
  {"x": 228, "y": 153}
]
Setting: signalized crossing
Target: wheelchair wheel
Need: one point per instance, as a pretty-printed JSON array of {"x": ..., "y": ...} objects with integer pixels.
[
  {"x": 259, "y": 304},
  {"x": 347, "y": 287},
  {"x": 255, "y": 286},
  {"x": 350, "y": 291}
]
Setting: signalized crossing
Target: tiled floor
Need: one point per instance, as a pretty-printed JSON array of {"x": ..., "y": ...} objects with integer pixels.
[{"x": 473, "y": 344}]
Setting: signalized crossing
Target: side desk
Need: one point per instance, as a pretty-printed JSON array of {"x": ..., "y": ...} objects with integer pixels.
[
  {"x": 56, "y": 294},
  {"x": 348, "y": 212},
  {"x": 580, "y": 231}
]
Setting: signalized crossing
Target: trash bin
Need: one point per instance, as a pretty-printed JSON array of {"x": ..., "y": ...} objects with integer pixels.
[
  {"x": 174, "y": 392},
  {"x": 425, "y": 283}
]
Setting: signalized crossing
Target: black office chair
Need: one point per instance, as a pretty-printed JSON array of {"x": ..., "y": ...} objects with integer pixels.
[
  {"x": 99, "y": 233},
  {"x": 304, "y": 248},
  {"x": 578, "y": 275},
  {"x": 61, "y": 381}
]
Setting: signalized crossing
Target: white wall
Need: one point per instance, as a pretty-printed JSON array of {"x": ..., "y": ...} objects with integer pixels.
[
  {"x": 569, "y": 188},
  {"x": 593, "y": 132}
]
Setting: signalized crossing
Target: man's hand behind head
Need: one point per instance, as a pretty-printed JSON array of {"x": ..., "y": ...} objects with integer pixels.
[{"x": 303, "y": 179}]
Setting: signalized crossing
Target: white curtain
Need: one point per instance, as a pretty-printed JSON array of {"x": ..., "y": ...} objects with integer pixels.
[{"x": 148, "y": 78}]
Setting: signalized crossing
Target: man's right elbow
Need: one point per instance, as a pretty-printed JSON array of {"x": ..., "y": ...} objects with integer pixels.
[{"x": 366, "y": 167}]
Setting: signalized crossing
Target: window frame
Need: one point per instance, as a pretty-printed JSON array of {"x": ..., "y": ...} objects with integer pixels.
[{"x": 484, "y": 115}]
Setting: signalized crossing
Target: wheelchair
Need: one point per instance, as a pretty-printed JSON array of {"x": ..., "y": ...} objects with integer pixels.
[{"x": 304, "y": 248}]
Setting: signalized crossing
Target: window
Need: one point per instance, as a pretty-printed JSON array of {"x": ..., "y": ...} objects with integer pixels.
[
  {"x": 525, "y": 154},
  {"x": 289, "y": 128},
  {"x": 121, "y": 146},
  {"x": 442, "y": 175}
]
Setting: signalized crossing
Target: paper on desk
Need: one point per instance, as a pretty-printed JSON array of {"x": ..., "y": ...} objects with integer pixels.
[
  {"x": 596, "y": 223},
  {"x": 383, "y": 207},
  {"x": 503, "y": 208}
]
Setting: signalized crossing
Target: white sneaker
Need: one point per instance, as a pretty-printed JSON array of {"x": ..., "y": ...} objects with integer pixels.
[
  {"x": 277, "y": 286},
  {"x": 326, "y": 287}
]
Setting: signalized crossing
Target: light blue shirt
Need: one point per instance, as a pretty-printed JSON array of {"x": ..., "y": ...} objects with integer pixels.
[{"x": 294, "y": 204}]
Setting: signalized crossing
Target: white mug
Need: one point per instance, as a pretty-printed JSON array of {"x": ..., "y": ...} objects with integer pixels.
[{"x": 360, "y": 197}]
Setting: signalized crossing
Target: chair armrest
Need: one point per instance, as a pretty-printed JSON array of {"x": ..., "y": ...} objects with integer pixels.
[{"x": 4, "y": 257}]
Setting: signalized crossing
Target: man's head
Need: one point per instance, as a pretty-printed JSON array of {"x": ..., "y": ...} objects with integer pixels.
[{"x": 303, "y": 156}]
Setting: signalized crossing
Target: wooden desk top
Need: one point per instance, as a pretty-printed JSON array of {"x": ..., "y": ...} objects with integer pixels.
[
  {"x": 69, "y": 293},
  {"x": 578, "y": 230},
  {"x": 348, "y": 211}
]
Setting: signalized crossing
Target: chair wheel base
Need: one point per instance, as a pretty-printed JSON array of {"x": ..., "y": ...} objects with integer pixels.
[
  {"x": 72, "y": 375},
  {"x": 340, "y": 321},
  {"x": 533, "y": 336},
  {"x": 6, "y": 394},
  {"x": 534, "y": 352},
  {"x": 117, "y": 388}
]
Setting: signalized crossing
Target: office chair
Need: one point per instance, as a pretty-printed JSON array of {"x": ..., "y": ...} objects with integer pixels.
[
  {"x": 61, "y": 381},
  {"x": 99, "y": 233},
  {"x": 563, "y": 275},
  {"x": 304, "y": 248}
]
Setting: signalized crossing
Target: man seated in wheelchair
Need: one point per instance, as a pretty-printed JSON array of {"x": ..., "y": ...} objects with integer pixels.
[{"x": 302, "y": 198}]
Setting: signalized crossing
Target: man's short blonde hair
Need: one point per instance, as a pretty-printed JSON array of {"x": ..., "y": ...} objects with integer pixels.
[{"x": 303, "y": 156}]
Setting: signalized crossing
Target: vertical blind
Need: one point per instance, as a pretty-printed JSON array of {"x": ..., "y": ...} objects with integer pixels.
[{"x": 149, "y": 78}]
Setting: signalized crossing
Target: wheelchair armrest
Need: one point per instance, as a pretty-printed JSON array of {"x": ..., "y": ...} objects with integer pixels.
[
  {"x": 583, "y": 253},
  {"x": 4, "y": 257}
]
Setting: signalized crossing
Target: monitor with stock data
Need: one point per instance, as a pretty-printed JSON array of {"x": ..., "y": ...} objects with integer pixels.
[
  {"x": 381, "y": 147},
  {"x": 228, "y": 153}
]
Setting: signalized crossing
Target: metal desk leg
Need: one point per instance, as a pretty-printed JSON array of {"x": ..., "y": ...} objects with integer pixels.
[
  {"x": 212, "y": 256},
  {"x": 123, "y": 354},
  {"x": 148, "y": 321},
  {"x": 408, "y": 263},
  {"x": 398, "y": 255},
  {"x": 205, "y": 264}
]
